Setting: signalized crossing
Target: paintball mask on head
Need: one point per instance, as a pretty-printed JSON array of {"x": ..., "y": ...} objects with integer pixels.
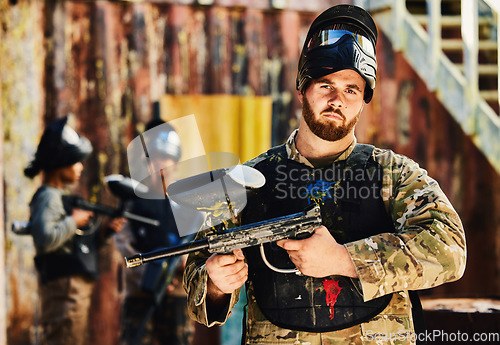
[
  {"x": 342, "y": 37},
  {"x": 60, "y": 146},
  {"x": 163, "y": 139}
]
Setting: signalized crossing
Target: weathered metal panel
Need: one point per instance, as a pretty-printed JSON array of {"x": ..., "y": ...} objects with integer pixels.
[
  {"x": 106, "y": 62},
  {"x": 294, "y": 5},
  {"x": 3, "y": 292},
  {"x": 22, "y": 99}
]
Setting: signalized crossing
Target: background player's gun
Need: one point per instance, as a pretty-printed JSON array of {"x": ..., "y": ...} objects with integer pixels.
[
  {"x": 75, "y": 201},
  {"x": 122, "y": 187},
  {"x": 298, "y": 225}
]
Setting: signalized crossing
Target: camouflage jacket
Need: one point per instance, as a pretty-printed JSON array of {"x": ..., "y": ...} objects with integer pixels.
[{"x": 427, "y": 250}]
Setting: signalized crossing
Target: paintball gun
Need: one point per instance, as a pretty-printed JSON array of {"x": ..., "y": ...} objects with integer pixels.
[
  {"x": 297, "y": 225},
  {"x": 215, "y": 187},
  {"x": 119, "y": 185}
]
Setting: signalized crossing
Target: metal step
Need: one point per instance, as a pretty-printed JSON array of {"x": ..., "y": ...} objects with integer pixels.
[
  {"x": 483, "y": 70},
  {"x": 454, "y": 44},
  {"x": 449, "y": 21},
  {"x": 489, "y": 95}
]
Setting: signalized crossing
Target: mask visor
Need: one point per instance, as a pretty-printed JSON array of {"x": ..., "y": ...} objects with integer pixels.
[{"x": 329, "y": 36}]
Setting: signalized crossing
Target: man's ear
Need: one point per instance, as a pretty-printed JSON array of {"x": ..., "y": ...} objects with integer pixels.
[{"x": 300, "y": 95}]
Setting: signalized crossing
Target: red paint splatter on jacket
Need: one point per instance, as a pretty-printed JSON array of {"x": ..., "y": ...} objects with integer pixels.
[{"x": 332, "y": 290}]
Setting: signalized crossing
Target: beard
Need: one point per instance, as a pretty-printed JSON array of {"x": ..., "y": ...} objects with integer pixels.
[{"x": 325, "y": 129}]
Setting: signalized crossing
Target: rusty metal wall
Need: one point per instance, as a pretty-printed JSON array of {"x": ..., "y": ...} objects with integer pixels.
[
  {"x": 106, "y": 62},
  {"x": 3, "y": 295}
]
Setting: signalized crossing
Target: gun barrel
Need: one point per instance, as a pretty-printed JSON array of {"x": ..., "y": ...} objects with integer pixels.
[
  {"x": 141, "y": 219},
  {"x": 139, "y": 259},
  {"x": 21, "y": 227},
  {"x": 111, "y": 212}
]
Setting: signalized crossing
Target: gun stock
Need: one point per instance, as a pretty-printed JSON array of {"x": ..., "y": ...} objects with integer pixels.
[{"x": 298, "y": 225}]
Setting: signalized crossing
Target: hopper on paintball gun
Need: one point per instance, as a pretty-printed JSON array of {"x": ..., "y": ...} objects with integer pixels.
[{"x": 217, "y": 190}]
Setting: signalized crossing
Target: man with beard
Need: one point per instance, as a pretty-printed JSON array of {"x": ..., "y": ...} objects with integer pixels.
[{"x": 387, "y": 228}]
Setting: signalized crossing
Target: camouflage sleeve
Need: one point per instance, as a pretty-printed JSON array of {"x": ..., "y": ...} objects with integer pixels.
[
  {"x": 428, "y": 247},
  {"x": 195, "y": 284}
]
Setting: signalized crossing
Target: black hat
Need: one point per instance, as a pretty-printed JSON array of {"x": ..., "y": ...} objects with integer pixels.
[
  {"x": 321, "y": 56},
  {"x": 60, "y": 146}
]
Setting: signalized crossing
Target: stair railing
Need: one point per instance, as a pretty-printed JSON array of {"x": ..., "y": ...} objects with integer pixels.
[
  {"x": 458, "y": 91},
  {"x": 495, "y": 6}
]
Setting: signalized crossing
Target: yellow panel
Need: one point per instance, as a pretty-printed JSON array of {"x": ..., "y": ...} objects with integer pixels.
[
  {"x": 249, "y": 136},
  {"x": 237, "y": 124},
  {"x": 263, "y": 125}
]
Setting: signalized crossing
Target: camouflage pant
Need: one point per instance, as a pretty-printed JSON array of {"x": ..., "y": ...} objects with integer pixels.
[
  {"x": 65, "y": 306},
  {"x": 169, "y": 323}
]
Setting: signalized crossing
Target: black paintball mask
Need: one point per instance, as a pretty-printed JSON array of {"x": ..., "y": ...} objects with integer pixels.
[
  {"x": 342, "y": 37},
  {"x": 60, "y": 146},
  {"x": 163, "y": 140}
]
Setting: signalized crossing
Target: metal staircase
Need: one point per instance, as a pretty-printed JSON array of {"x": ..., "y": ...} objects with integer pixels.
[{"x": 453, "y": 46}]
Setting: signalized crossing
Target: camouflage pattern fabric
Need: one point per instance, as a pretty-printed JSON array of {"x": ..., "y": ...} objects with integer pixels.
[{"x": 427, "y": 250}]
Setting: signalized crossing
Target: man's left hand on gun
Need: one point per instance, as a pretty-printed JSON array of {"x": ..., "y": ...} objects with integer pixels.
[
  {"x": 319, "y": 255},
  {"x": 226, "y": 272}
]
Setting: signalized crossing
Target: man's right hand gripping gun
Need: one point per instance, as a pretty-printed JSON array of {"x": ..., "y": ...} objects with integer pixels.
[{"x": 299, "y": 225}]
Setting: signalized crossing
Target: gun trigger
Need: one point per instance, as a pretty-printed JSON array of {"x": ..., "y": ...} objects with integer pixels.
[
  {"x": 274, "y": 246},
  {"x": 303, "y": 236}
]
